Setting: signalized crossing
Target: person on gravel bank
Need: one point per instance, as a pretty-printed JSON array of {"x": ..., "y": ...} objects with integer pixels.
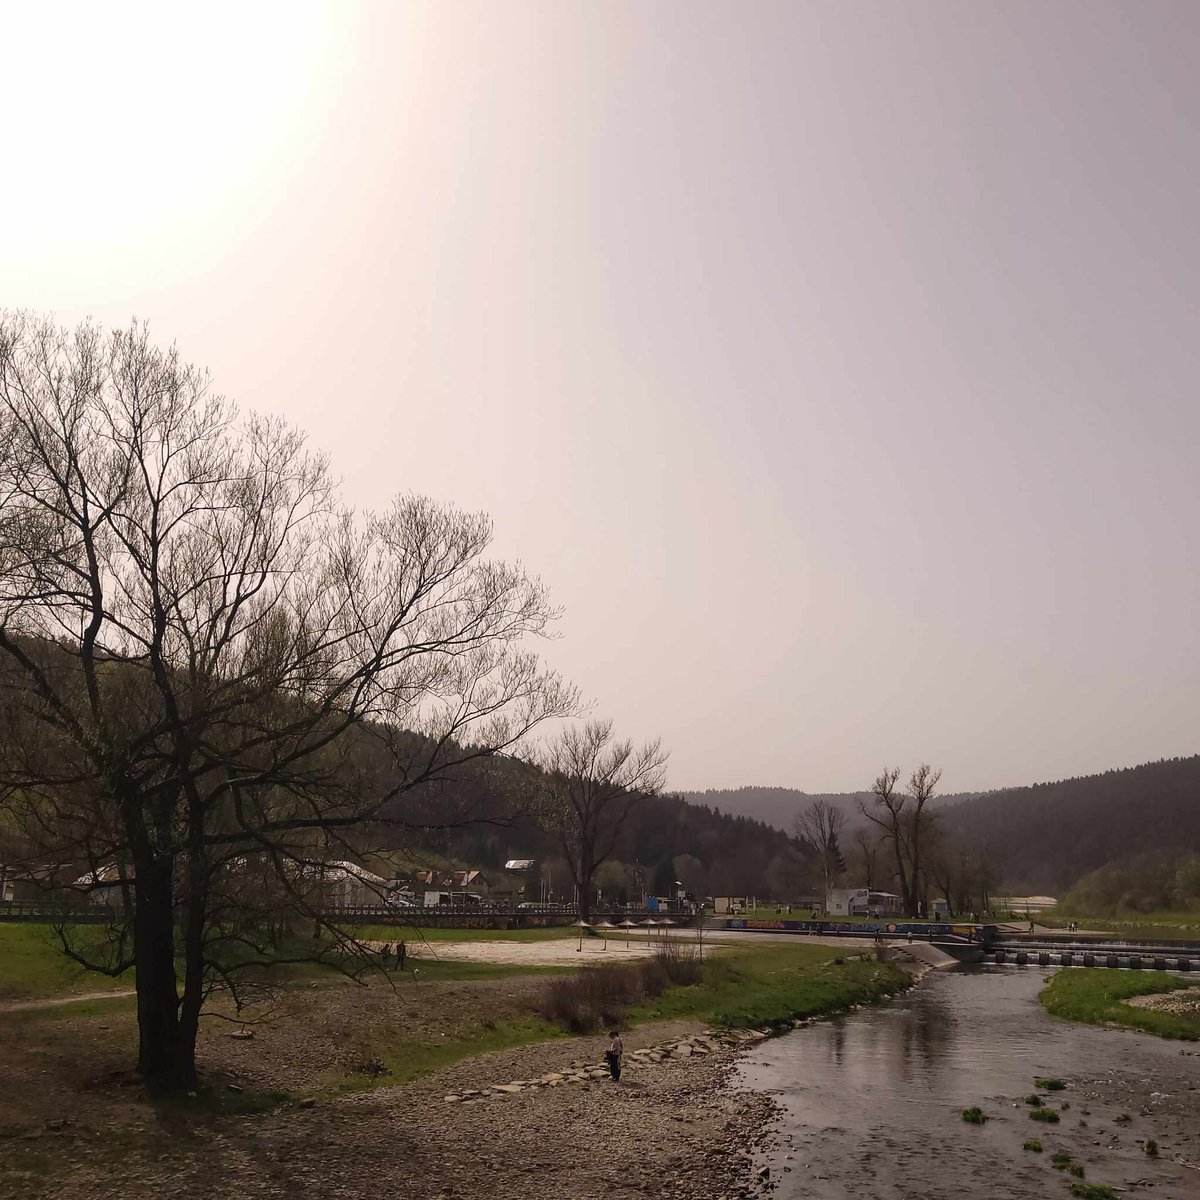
[{"x": 616, "y": 1048}]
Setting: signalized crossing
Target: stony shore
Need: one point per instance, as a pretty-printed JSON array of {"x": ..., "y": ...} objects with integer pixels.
[{"x": 673, "y": 1127}]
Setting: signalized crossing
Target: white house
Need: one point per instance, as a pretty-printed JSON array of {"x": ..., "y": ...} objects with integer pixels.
[
  {"x": 347, "y": 885},
  {"x": 861, "y": 902}
]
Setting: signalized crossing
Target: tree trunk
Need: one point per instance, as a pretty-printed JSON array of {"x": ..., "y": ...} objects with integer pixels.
[
  {"x": 584, "y": 887},
  {"x": 166, "y": 1051}
]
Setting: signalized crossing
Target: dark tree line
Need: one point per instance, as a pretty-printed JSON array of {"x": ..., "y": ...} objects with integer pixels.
[{"x": 1044, "y": 838}]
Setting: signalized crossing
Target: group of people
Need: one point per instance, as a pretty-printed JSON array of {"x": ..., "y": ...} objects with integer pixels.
[{"x": 401, "y": 953}]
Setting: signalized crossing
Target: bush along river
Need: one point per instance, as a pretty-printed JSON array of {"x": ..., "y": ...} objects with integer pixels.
[{"x": 872, "y": 1105}]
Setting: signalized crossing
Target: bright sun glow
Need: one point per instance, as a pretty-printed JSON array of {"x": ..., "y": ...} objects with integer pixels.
[{"x": 125, "y": 117}]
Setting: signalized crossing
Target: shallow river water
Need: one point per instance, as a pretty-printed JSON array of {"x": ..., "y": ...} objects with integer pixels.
[{"x": 872, "y": 1103}]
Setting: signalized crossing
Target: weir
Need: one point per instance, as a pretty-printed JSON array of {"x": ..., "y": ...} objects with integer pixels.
[{"x": 993, "y": 943}]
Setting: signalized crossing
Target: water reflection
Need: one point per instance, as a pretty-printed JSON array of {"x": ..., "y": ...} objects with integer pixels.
[{"x": 873, "y": 1101}]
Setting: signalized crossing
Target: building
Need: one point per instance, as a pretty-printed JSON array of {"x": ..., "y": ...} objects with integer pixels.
[
  {"x": 861, "y": 902},
  {"x": 346, "y": 885},
  {"x": 455, "y": 881}
]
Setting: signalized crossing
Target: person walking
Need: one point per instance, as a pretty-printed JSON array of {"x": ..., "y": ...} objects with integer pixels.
[{"x": 614, "y": 1054}]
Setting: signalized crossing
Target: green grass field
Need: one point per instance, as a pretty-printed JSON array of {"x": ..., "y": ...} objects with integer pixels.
[
  {"x": 1165, "y": 923},
  {"x": 1093, "y": 995},
  {"x": 33, "y": 966}
]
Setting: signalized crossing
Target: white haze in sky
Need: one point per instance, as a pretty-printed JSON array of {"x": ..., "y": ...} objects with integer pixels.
[{"x": 835, "y": 364}]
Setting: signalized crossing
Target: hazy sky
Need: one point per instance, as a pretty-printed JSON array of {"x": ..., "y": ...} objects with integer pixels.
[{"x": 834, "y": 363}]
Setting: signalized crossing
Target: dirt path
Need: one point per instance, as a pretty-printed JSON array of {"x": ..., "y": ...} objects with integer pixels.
[{"x": 57, "y": 1001}]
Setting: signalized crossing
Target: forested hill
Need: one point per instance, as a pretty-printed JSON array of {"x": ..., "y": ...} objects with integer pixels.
[
  {"x": 779, "y": 806},
  {"x": 1041, "y": 839},
  {"x": 714, "y": 853}
]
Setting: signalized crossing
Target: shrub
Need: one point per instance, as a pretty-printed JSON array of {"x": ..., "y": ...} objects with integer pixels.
[
  {"x": 1151, "y": 1147},
  {"x": 1060, "y": 1160},
  {"x": 679, "y": 962},
  {"x": 600, "y": 996},
  {"x": 974, "y": 1115},
  {"x": 1075, "y": 1169},
  {"x": 1092, "y": 1191},
  {"x": 1123, "y": 1119},
  {"x": 1048, "y": 1085},
  {"x": 596, "y": 996},
  {"x": 1033, "y": 1144},
  {"x": 1034, "y": 1099},
  {"x": 1044, "y": 1114}
]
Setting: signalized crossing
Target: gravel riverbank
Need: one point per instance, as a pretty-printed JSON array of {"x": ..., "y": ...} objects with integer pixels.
[{"x": 673, "y": 1129}]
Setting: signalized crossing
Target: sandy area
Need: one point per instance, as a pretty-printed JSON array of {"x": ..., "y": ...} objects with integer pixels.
[
  {"x": 562, "y": 952},
  {"x": 572, "y": 952}
]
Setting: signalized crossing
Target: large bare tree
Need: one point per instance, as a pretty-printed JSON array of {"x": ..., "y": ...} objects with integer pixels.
[
  {"x": 589, "y": 786},
  {"x": 821, "y": 825},
  {"x": 211, "y": 670},
  {"x": 904, "y": 819}
]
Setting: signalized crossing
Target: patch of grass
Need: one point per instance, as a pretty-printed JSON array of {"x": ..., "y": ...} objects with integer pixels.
[
  {"x": 405, "y": 1060},
  {"x": 1092, "y": 1191},
  {"x": 1123, "y": 1119},
  {"x": 773, "y": 985},
  {"x": 1150, "y": 1146},
  {"x": 1049, "y": 1085},
  {"x": 1094, "y": 996},
  {"x": 1034, "y": 1100},
  {"x": 1060, "y": 1160},
  {"x": 1048, "y": 1115},
  {"x": 975, "y": 1116},
  {"x": 426, "y": 969},
  {"x": 33, "y": 966},
  {"x": 1075, "y": 1169},
  {"x": 1033, "y": 1144}
]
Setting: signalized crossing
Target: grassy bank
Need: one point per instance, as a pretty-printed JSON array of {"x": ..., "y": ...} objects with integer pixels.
[
  {"x": 769, "y": 985},
  {"x": 1094, "y": 996},
  {"x": 759, "y": 986},
  {"x": 1166, "y": 923}
]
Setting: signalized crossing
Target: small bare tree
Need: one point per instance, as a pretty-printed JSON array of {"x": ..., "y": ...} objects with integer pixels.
[
  {"x": 821, "y": 825},
  {"x": 590, "y": 784},
  {"x": 212, "y": 672}
]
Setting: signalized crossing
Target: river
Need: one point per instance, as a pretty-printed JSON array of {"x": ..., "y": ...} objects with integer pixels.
[{"x": 871, "y": 1103}]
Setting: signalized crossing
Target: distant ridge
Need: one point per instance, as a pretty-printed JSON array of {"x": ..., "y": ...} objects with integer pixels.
[
  {"x": 779, "y": 806},
  {"x": 1040, "y": 838}
]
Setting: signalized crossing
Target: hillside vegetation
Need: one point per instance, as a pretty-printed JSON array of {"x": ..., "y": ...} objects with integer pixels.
[{"x": 1045, "y": 838}]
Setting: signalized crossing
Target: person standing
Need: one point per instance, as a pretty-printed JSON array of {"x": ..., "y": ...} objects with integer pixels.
[
  {"x": 614, "y": 1054},
  {"x": 401, "y": 954}
]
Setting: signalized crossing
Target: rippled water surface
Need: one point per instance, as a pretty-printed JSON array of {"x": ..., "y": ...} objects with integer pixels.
[{"x": 873, "y": 1102}]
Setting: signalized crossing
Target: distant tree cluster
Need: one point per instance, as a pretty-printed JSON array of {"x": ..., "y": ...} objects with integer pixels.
[{"x": 1143, "y": 883}]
